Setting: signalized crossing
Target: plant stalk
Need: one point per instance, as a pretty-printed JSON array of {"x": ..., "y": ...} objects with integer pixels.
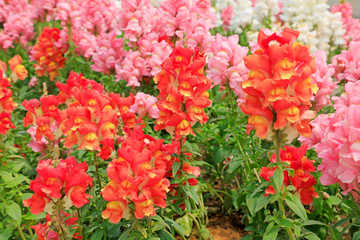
[
  {"x": 277, "y": 142},
  {"x": 21, "y": 232},
  {"x": 97, "y": 170}
]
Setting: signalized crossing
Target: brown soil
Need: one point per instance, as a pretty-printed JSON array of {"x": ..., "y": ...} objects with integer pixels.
[{"x": 226, "y": 227}]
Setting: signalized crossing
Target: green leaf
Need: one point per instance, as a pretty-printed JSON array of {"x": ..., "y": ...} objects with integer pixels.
[
  {"x": 175, "y": 225},
  {"x": 247, "y": 237},
  {"x": 262, "y": 202},
  {"x": 341, "y": 222},
  {"x": 16, "y": 181},
  {"x": 125, "y": 235},
  {"x": 271, "y": 232},
  {"x": 97, "y": 235},
  {"x": 356, "y": 235},
  {"x": 6, "y": 233},
  {"x": 165, "y": 235},
  {"x": 311, "y": 236},
  {"x": 286, "y": 223},
  {"x": 278, "y": 179},
  {"x": 333, "y": 200},
  {"x": 175, "y": 167},
  {"x": 14, "y": 211},
  {"x": 259, "y": 188},
  {"x": 190, "y": 191},
  {"x": 220, "y": 154},
  {"x": 158, "y": 226},
  {"x": 30, "y": 216},
  {"x": 142, "y": 230},
  {"x": 205, "y": 233},
  {"x": 186, "y": 224},
  {"x": 313, "y": 222},
  {"x": 295, "y": 204}
]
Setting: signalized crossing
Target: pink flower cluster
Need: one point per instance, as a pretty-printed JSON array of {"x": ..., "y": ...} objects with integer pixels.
[
  {"x": 194, "y": 23},
  {"x": 347, "y": 63},
  {"x": 227, "y": 63},
  {"x": 108, "y": 52},
  {"x": 145, "y": 105},
  {"x": 335, "y": 138},
  {"x": 149, "y": 31},
  {"x": 323, "y": 79},
  {"x": 17, "y": 18},
  {"x": 351, "y": 25},
  {"x": 94, "y": 16}
]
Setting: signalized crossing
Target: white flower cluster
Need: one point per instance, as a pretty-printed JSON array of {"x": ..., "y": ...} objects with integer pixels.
[
  {"x": 243, "y": 15},
  {"x": 264, "y": 9},
  {"x": 318, "y": 27},
  {"x": 246, "y": 13}
]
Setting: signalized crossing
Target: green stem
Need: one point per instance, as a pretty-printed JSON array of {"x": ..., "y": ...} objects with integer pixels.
[
  {"x": 97, "y": 170},
  {"x": 247, "y": 157},
  {"x": 197, "y": 226},
  {"x": 30, "y": 230},
  {"x": 21, "y": 232},
  {"x": 277, "y": 142},
  {"x": 80, "y": 222},
  {"x": 288, "y": 229}
]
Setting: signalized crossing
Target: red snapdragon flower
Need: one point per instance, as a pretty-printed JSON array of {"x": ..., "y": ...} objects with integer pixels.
[
  {"x": 302, "y": 180},
  {"x": 46, "y": 231},
  {"x": 7, "y": 105},
  {"x": 66, "y": 180}
]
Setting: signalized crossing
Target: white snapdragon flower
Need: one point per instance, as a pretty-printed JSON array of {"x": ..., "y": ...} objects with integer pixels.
[
  {"x": 243, "y": 15},
  {"x": 318, "y": 27}
]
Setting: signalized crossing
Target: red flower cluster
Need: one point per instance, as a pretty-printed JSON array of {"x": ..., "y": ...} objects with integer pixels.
[
  {"x": 138, "y": 176},
  {"x": 183, "y": 92},
  {"x": 43, "y": 115},
  {"x": 279, "y": 86},
  {"x": 49, "y": 57},
  {"x": 46, "y": 231},
  {"x": 68, "y": 177},
  {"x": 7, "y": 105},
  {"x": 90, "y": 119},
  {"x": 302, "y": 180}
]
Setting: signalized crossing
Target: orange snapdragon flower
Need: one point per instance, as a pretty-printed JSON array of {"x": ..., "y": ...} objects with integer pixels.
[
  {"x": 183, "y": 92},
  {"x": 279, "y": 86},
  {"x": 49, "y": 58},
  {"x": 19, "y": 71}
]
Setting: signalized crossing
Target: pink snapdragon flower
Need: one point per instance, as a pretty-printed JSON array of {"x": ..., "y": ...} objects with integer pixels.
[
  {"x": 323, "y": 79},
  {"x": 336, "y": 139},
  {"x": 136, "y": 18},
  {"x": 33, "y": 82},
  {"x": 226, "y": 16},
  {"x": 133, "y": 67},
  {"x": 108, "y": 52},
  {"x": 226, "y": 62},
  {"x": 346, "y": 64},
  {"x": 351, "y": 25},
  {"x": 17, "y": 18},
  {"x": 145, "y": 105}
]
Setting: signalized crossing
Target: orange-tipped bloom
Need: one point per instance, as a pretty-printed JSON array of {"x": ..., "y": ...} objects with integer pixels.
[
  {"x": 279, "y": 86},
  {"x": 7, "y": 105},
  {"x": 49, "y": 58},
  {"x": 19, "y": 71},
  {"x": 139, "y": 176},
  {"x": 182, "y": 83}
]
